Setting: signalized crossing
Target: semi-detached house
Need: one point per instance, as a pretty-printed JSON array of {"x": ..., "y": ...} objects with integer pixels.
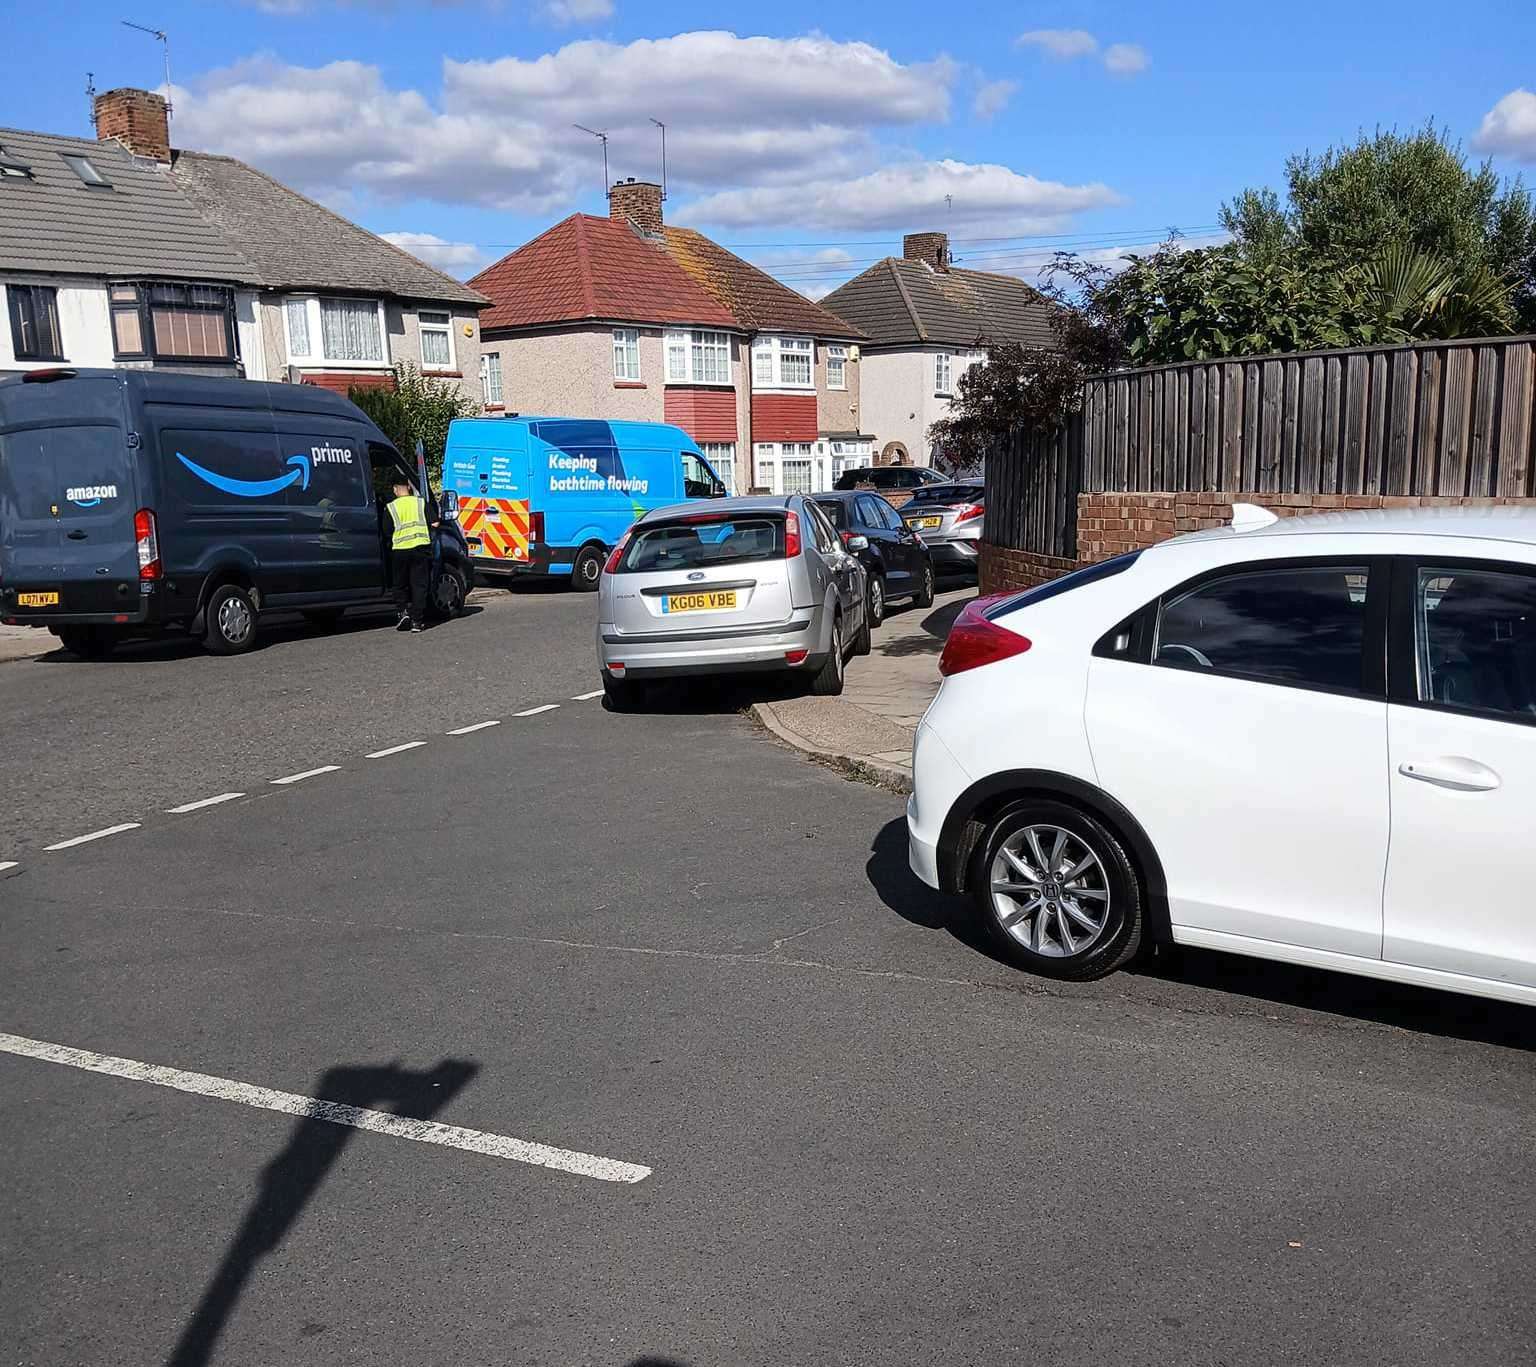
[
  {"x": 124, "y": 251},
  {"x": 623, "y": 317}
]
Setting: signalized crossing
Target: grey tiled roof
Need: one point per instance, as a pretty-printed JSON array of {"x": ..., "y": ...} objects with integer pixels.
[
  {"x": 298, "y": 244},
  {"x": 899, "y": 302},
  {"x": 52, "y": 222}
]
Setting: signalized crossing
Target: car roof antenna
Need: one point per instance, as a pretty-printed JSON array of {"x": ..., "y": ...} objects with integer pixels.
[{"x": 1249, "y": 517}]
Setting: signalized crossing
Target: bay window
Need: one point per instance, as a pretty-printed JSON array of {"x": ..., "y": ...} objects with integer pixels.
[
  {"x": 783, "y": 362},
  {"x": 789, "y": 467},
  {"x": 165, "y": 321},
  {"x": 696, "y": 357},
  {"x": 436, "y": 341},
  {"x": 350, "y": 332},
  {"x": 626, "y": 354}
]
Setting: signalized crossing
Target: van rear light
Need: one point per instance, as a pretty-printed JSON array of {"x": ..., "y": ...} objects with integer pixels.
[
  {"x": 974, "y": 641},
  {"x": 611, "y": 565},
  {"x": 791, "y": 534},
  {"x": 970, "y": 512},
  {"x": 148, "y": 545},
  {"x": 536, "y": 528}
]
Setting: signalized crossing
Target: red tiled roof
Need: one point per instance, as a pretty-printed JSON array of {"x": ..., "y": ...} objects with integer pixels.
[
  {"x": 593, "y": 268},
  {"x": 755, "y": 297}
]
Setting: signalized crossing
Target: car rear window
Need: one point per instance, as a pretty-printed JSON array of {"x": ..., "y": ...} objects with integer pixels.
[
  {"x": 1105, "y": 569},
  {"x": 836, "y": 511},
  {"x": 698, "y": 545},
  {"x": 948, "y": 493}
]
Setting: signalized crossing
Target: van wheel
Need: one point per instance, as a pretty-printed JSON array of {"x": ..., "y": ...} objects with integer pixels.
[
  {"x": 448, "y": 593},
  {"x": 828, "y": 682},
  {"x": 230, "y": 619},
  {"x": 587, "y": 568},
  {"x": 89, "y": 643}
]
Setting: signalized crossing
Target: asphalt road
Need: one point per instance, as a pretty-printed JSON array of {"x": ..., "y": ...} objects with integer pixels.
[{"x": 664, "y": 940}]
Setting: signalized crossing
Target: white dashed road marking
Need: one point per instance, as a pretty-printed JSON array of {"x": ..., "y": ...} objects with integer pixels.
[
  {"x": 205, "y": 802},
  {"x": 587, "y": 697},
  {"x": 7, "y": 864},
  {"x": 308, "y": 773},
  {"x": 94, "y": 835},
  {"x": 534, "y": 711},
  {"x": 395, "y": 749},
  {"x": 478, "y": 726},
  {"x": 315, "y": 1108}
]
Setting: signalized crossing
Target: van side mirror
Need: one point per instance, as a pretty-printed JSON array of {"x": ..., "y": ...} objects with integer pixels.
[{"x": 448, "y": 504}]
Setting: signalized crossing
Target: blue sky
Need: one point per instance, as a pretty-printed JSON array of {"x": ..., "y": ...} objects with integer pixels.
[{"x": 1087, "y": 124}]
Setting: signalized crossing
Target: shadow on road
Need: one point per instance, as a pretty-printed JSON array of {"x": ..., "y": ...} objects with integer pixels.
[
  {"x": 291, "y": 1180},
  {"x": 1451, "y": 1014}
]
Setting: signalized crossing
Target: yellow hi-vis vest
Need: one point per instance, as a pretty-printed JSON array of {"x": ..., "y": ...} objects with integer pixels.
[{"x": 410, "y": 518}]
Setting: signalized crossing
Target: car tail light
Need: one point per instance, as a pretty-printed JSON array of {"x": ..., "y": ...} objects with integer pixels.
[
  {"x": 974, "y": 641},
  {"x": 536, "y": 529},
  {"x": 791, "y": 535},
  {"x": 616, "y": 669},
  {"x": 614, "y": 556},
  {"x": 848, "y": 536},
  {"x": 148, "y": 544},
  {"x": 796, "y": 657},
  {"x": 970, "y": 512}
]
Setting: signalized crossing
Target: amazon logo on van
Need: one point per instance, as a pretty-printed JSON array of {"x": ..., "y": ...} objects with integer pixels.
[{"x": 89, "y": 495}]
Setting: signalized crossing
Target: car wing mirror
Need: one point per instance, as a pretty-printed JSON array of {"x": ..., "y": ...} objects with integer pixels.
[{"x": 857, "y": 543}]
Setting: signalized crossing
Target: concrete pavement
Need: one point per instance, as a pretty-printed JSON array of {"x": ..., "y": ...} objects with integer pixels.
[{"x": 868, "y": 730}]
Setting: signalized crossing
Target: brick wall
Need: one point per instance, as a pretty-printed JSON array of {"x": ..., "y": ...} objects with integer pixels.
[{"x": 1114, "y": 523}]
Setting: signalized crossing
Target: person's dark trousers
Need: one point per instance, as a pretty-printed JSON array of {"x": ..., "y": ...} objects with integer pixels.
[{"x": 412, "y": 572}]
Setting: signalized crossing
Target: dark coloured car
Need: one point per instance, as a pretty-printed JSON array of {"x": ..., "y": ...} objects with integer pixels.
[
  {"x": 894, "y": 557},
  {"x": 888, "y": 478},
  {"x": 137, "y": 502}
]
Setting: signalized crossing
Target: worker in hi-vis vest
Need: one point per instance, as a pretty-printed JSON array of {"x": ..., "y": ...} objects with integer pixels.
[{"x": 410, "y": 548}]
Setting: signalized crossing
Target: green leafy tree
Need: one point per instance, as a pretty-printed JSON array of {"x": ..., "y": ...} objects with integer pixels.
[{"x": 417, "y": 408}]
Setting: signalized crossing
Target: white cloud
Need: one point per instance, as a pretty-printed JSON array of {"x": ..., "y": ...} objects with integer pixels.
[
  {"x": 908, "y": 196},
  {"x": 576, "y": 11},
  {"x": 993, "y": 98},
  {"x": 1061, "y": 43},
  {"x": 1509, "y": 128},
  {"x": 1125, "y": 59},
  {"x": 457, "y": 258},
  {"x": 1067, "y": 44}
]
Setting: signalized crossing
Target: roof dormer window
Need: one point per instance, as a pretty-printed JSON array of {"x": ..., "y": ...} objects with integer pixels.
[{"x": 85, "y": 168}]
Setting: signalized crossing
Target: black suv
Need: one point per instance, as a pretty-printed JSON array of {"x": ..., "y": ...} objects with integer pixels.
[
  {"x": 896, "y": 563},
  {"x": 888, "y": 477}
]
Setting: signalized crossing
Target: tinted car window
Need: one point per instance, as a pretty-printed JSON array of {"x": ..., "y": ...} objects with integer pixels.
[
  {"x": 890, "y": 516},
  {"x": 1475, "y": 635},
  {"x": 826, "y": 538},
  {"x": 1301, "y": 625},
  {"x": 836, "y": 511},
  {"x": 868, "y": 511},
  {"x": 692, "y": 546}
]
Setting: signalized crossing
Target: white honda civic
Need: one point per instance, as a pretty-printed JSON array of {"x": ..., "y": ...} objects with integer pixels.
[{"x": 1310, "y": 739}]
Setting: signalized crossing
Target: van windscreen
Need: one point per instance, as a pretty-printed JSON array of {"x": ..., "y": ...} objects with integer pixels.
[{"x": 697, "y": 545}]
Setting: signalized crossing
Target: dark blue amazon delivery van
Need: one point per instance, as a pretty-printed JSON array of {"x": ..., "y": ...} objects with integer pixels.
[{"x": 135, "y": 502}]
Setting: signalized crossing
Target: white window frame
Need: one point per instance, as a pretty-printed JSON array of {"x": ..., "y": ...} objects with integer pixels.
[
  {"x": 768, "y": 362},
  {"x": 490, "y": 370},
  {"x": 626, "y": 355},
  {"x": 771, "y": 456},
  {"x": 944, "y": 374},
  {"x": 445, "y": 328},
  {"x": 316, "y": 354},
  {"x": 688, "y": 348},
  {"x": 721, "y": 456},
  {"x": 837, "y": 356}
]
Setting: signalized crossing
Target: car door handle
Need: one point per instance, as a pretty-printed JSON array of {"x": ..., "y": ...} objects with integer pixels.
[
  {"x": 76, "y": 535},
  {"x": 1456, "y": 772}
]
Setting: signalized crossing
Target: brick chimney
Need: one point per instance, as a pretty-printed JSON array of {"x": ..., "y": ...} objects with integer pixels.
[
  {"x": 932, "y": 248},
  {"x": 141, "y": 121},
  {"x": 639, "y": 201}
]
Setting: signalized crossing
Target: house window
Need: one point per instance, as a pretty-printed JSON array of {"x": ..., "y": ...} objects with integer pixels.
[
  {"x": 490, "y": 378},
  {"x": 722, "y": 457},
  {"x": 436, "y": 341},
  {"x": 297, "y": 313},
  {"x": 797, "y": 469},
  {"x": 698, "y": 358},
  {"x": 942, "y": 368},
  {"x": 837, "y": 367},
  {"x": 350, "y": 332},
  {"x": 626, "y": 354},
  {"x": 35, "y": 323},
  {"x": 787, "y": 467},
  {"x": 163, "y": 321},
  {"x": 782, "y": 362}
]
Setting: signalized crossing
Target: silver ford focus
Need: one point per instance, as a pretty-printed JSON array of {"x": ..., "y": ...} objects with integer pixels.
[{"x": 734, "y": 585}]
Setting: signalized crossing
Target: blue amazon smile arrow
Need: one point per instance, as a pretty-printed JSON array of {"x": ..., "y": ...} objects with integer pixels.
[{"x": 253, "y": 488}]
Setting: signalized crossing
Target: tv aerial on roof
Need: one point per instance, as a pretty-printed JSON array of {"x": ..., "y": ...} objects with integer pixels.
[
  {"x": 663, "y": 128},
  {"x": 165, "y": 44},
  {"x": 602, "y": 138}
]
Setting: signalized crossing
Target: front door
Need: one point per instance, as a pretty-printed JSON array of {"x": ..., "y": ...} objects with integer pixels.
[
  {"x": 1462, "y": 770},
  {"x": 1251, "y": 749}
]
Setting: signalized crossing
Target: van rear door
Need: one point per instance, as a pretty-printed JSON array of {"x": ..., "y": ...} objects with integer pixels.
[
  {"x": 98, "y": 549},
  {"x": 29, "y": 524}
]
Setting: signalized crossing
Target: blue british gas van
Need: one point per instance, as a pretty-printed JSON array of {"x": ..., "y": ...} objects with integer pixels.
[{"x": 554, "y": 495}]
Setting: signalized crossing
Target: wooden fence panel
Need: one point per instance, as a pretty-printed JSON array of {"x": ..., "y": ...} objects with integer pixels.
[{"x": 1448, "y": 418}]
